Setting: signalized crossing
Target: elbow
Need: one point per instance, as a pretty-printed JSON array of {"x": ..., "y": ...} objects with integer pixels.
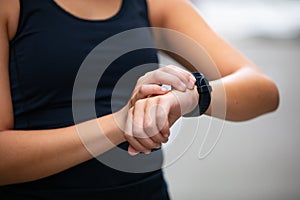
[
  {"x": 267, "y": 93},
  {"x": 268, "y": 99},
  {"x": 276, "y": 100},
  {"x": 273, "y": 96},
  {"x": 264, "y": 99}
]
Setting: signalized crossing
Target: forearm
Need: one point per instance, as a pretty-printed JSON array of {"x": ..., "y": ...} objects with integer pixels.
[
  {"x": 31, "y": 155},
  {"x": 242, "y": 95}
]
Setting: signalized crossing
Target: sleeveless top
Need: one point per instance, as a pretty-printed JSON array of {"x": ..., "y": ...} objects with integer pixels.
[{"x": 45, "y": 56}]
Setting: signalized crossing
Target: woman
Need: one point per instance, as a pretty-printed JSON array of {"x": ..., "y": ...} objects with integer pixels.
[{"x": 44, "y": 43}]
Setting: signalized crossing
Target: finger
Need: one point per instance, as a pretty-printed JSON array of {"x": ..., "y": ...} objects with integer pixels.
[
  {"x": 147, "y": 90},
  {"x": 186, "y": 77},
  {"x": 178, "y": 78},
  {"x": 138, "y": 125},
  {"x": 180, "y": 70},
  {"x": 148, "y": 144},
  {"x": 149, "y": 122},
  {"x": 128, "y": 123},
  {"x": 138, "y": 147},
  {"x": 129, "y": 134},
  {"x": 162, "y": 121},
  {"x": 150, "y": 126},
  {"x": 164, "y": 77},
  {"x": 132, "y": 151}
]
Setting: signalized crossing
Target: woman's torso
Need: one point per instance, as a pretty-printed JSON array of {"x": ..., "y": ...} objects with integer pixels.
[{"x": 46, "y": 53}]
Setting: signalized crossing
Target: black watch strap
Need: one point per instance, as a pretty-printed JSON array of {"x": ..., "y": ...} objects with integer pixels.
[{"x": 204, "y": 90}]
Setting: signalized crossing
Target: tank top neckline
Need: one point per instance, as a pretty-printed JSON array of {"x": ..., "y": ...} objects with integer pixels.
[{"x": 70, "y": 15}]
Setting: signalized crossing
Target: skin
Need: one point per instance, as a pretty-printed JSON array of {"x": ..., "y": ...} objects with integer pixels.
[{"x": 31, "y": 155}]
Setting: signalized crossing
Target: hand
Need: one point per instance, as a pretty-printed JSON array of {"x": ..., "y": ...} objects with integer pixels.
[
  {"x": 149, "y": 120},
  {"x": 148, "y": 85},
  {"x": 171, "y": 75}
]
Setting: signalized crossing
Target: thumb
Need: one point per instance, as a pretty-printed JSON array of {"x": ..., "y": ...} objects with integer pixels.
[{"x": 148, "y": 90}]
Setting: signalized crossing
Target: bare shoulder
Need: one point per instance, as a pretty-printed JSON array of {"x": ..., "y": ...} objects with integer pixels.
[
  {"x": 9, "y": 16},
  {"x": 160, "y": 10}
]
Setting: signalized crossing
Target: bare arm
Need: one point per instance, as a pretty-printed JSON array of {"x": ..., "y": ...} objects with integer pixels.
[
  {"x": 248, "y": 91},
  {"x": 31, "y": 155}
]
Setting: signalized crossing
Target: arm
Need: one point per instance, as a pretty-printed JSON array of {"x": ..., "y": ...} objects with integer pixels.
[
  {"x": 31, "y": 155},
  {"x": 241, "y": 91},
  {"x": 248, "y": 91}
]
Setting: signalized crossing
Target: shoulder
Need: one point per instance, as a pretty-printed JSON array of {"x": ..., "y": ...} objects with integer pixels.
[
  {"x": 160, "y": 11},
  {"x": 9, "y": 16}
]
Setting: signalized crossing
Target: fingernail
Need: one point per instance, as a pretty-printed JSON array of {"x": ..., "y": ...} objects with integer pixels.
[
  {"x": 167, "y": 87},
  {"x": 192, "y": 78},
  {"x": 166, "y": 135},
  {"x": 163, "y": 89},
  {"x": 133, "y": 153},
  {"x": 147, "y": 152}
]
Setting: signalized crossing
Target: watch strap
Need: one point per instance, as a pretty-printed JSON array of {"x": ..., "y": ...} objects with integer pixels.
[{"x": 204, "y": 90}]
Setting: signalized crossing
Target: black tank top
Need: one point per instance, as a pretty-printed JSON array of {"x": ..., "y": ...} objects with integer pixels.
[{"x": 45, "y": 56}]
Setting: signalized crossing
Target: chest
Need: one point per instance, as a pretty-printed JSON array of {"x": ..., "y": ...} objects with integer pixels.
[{"x": 51, "y": 44}]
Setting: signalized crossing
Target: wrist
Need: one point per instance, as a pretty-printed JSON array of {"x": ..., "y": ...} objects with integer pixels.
[
  {"x": 186, "y": 101},
  {"x": 117, "y": 123},
  {"x": 204, "y": 89}
]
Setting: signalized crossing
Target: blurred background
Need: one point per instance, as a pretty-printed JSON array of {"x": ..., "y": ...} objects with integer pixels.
[{"x": 257, "y": 159}]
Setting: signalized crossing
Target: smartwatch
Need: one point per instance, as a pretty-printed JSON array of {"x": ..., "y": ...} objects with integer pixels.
[{"x": 204, "y": 90}]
